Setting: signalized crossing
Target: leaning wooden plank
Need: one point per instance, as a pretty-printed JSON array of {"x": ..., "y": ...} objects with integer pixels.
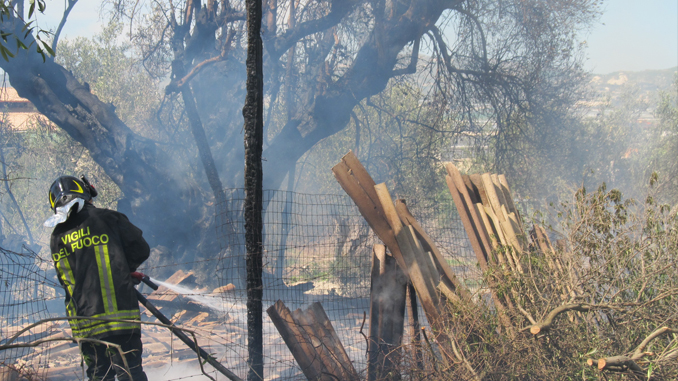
[
  {"x": 419, "y": 274},
  {"x": 494, "y": 240},
  {"x": 494, "y": 220},
  {"x": 475, "y": 243},
  {"x": 475, "y": 219},
  {"x": 471, "y": 189},
  {"x": 413, "y": 325},
  {"x": 500, "y": 192},
  {"x": 376, "y": 286},
  {"x": 477, "y": 181},
  {"x": 441, "y": 264},
  {"x": 318, "y": 313},
  {"x": 543, "y": 244},
  {"x": 514, "y": 234},
  {"x": 392, "y": 315},
  {"x": 386, "y": 203},
  {"x": 509, "y": 199},
  {"x": 417, "y": 264},
  {"x": 301, "y": 350},
  {"x": 449, "y": 294},
  {"x": 360, "y": 173},
  {"x": 494, "y": 227},
  {"x": 492, "y": 196},
  {"x": 322, "y": 343},
  {"x": 517, "y": 227},
  {"x": 465, "y": 217},
  {"x": 368, "y": 208}
]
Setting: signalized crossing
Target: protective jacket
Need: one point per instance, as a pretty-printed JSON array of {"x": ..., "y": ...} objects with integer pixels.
[{"x": 94, "y": 252}]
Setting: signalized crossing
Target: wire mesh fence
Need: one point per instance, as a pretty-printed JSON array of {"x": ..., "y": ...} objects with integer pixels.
[
  {"x": 317, "y": 248},
  {"x": 24, "y": 290}
]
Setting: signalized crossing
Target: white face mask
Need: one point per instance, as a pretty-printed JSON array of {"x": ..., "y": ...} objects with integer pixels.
[{"x": 63, "y": 212}]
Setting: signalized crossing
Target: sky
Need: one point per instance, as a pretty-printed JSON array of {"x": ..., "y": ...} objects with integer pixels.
[
  {"x": 631, "y": 35},
  {"x": 634, "y": 35}
]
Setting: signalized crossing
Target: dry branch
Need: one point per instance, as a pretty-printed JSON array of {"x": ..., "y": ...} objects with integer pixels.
[{"x": 547, "y": 323}]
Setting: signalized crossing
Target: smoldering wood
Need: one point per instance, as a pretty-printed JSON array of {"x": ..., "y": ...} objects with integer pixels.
[
  {"x": 378, "y": 255},
  {"x": 387, "y": 315},
  {"x": 313, "y": 342},
  {"x": 302, "y": 351},
  {"x": 414, "y": 325}
]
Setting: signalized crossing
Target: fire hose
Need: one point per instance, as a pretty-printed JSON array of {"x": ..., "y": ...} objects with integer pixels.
[{"x": 180, "y": 334}]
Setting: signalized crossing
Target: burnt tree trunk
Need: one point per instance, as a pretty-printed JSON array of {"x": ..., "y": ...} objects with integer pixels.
[
  {"x": 133, "y": 162},
  {"x": 254, "y": 132}
]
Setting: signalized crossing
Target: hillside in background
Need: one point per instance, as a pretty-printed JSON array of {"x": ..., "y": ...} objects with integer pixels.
[{"x": 645, "y": 83}]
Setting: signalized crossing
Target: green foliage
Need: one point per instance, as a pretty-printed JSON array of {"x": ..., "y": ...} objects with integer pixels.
[
  {"x": 393, "y": 135},
  {"x": 34, "y": 157},
  {"x": 39, "y": 153},
  {"x": 9, "y": 39},
  {"x": 113, "y": 73},
  {"x": 663, "y": 161},
  {"x": 615, "y": 255}
]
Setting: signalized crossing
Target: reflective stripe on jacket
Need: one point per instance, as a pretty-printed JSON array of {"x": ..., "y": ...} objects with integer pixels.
[{"x": 94, "y": 252}]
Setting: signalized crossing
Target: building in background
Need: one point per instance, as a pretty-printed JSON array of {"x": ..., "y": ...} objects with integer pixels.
[{"x": 16, "y": 111}]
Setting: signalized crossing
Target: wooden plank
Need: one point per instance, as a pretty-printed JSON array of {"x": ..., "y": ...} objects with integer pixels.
[
  {"x": 368, "y": 208},
  {"x": 321, "y": 342},
  {"x": 492, "y": 197},
  {"x": 514, "y": 251},
  {"x": 520, "y": 234},
  {"x": 471, "y": 189},
  {"x": 392, "y": 315},
  {"x": 475, "y": 219},
  {"x": 321, "y": 318},
  {"x": 417, "y": 263},
  {"x": 364, "y": 179},
  {"x": 462, "y": 209},
  {"x": 478, "y": 183},
  {"x": 439, "y": 260},
  {"x": 313, "y": 343},
  {"x": 494, "y": 237},
  {"x": 301, "y": 350},
  {"x": 386, "y": 203},
  {"x": 464, "y": 212},
  {"x": 378, "y": 255},
  {"x": 500, "y": 192},
  {"x": 449, "y": 294},
  {"x": 418, "y": 272},
  {"x": 496, "y": 224},
  {"x": 509, "y": 199},
  {"x": 414, "y": 325}
]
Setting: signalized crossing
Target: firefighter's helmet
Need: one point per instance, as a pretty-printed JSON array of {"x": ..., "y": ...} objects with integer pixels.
[{"x": 66, "y": 188}]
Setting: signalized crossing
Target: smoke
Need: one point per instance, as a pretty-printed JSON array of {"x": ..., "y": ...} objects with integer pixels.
[{"x": 218, "y": 303}]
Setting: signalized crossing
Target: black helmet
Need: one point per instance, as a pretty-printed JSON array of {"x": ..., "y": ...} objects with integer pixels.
[{"x": 66, "y": 188}]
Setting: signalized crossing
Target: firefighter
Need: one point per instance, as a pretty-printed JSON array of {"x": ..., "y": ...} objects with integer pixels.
[{"x": 94, "y": 251}]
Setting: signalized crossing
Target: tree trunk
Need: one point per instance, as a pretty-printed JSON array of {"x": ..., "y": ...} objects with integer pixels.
[{"x": 133, "y": 162}]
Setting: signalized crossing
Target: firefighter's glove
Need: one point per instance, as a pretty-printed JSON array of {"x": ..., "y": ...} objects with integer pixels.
[{"x": 137, "y": 277}]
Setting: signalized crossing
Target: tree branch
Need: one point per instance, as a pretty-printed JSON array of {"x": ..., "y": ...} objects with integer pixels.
[
  {"x": 280, "y": 44},
  {"x": 412, "y": 67},
  {"x": 546, "y": 324},
  {"x": 67, "y": 11}
]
